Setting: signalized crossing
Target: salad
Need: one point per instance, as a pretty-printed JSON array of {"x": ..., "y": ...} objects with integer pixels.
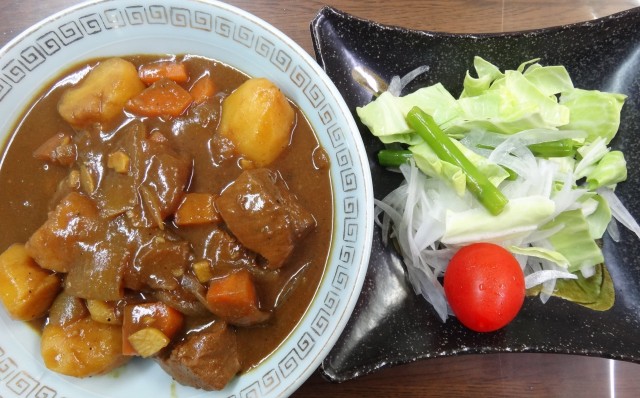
[{"x": 521, "y": 160}]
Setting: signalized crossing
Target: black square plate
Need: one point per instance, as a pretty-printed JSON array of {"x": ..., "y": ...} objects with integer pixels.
[{"x": 391, "y": 325}]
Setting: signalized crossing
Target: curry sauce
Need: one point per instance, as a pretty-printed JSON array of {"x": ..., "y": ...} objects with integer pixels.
[{"x": 132, "y": 173}]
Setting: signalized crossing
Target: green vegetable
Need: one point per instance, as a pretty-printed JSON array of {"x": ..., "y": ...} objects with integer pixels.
[
  {"x": 500, "y": 102},
  {"x": 393, "y": 157},
  {"x": 520, "y": 217},
  {"x": 554, "y": 149},
  {"x": 596, "y": 112},
  {"x": 541, "y": 252},
  {"x": 611, "y": 169},
  {"x": 599, "y": 218},
  {"x": 595, "y": 292},
  {"x": 574, "y": 241},
  {"x": 385, "y": 117},
  {"x": 486, "y": 193}
]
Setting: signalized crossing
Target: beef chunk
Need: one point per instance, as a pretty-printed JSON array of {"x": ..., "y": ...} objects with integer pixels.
[
  {"x": 207, "y": 359},
  {"x": 224, "y": 250},
  {"x": 158, "y": 264},
  {"x": 264, "y": 215}
]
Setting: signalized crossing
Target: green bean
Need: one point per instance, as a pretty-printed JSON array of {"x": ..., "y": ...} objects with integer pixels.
[
  {"x": 554, "y": 149},
  {"x": 393, "y": 157},
  {"x": 477, "y": 183}
]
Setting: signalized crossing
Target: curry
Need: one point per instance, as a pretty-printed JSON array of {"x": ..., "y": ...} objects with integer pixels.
[{"x": 166, "y": 207}]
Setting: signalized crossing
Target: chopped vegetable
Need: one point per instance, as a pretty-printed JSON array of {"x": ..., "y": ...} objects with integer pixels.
[
  {"x": 26, "y": 290},
  {"x": 203, "y": 89},
  {"x": 104, "y": 312},
  {"x": 172, "y": 70},
  {"x": 100, "y": 96},
  {"x": 202, "y": 270},
  {"x": 58, "y": 148},
  {"x": 394, "y": 158},
  {"x": 258, "y": 120},
  {"x": 234, "y": 298},
  {"x": 148, "y": 341},
  {"x": 197, "y": 208},
  {"x": 486, "y": 193},
  {"x": 163, "y": 98},
  {"x": 119, "y": 161},
  {"x": 82, "y": 348},
  {"x": 148, "y": 315}
]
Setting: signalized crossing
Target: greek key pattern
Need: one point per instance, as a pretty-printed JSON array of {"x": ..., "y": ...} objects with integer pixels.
[
  {"x": 36, "y": 53},
  {"x": 19, "y": 383}
]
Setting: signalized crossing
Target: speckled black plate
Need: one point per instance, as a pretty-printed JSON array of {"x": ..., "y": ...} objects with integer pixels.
[{"x": 391, "y": 325}]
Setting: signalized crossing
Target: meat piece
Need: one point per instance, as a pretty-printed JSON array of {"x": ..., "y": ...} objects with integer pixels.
[
  {"x": 206, "y": 359},
  {"x": 158, "y": 264},
  {"x": 73, "y": 220},
  {"x": 264, "y": 215},
  {"x": 160, "y": 176},
  {"x": 224, "y": 251}
]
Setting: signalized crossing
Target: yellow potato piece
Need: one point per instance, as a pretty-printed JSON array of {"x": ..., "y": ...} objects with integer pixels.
[
  {"x": 26, "y": 290},
  {"x": 101, "y": 95},
  {"x": 103, "y": 312},
  {"x": 148, "y": 341},
  {"x": 82, "y": 348},
  {"x": 258, "y": 120}
]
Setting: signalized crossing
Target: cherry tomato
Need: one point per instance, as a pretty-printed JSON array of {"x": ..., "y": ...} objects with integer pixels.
[{"x": 484, "y": 286}]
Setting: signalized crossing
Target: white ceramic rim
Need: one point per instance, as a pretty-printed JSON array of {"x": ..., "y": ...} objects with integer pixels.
[{"x": 21, "y": 369}]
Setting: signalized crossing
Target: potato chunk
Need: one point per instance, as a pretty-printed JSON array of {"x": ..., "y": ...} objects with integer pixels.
[
  {"x": 82, "y": 348},
  {"x": 101, "y": 95},
  {"x": 26, "y": 290},
  {"x": 258, "y": 120}
]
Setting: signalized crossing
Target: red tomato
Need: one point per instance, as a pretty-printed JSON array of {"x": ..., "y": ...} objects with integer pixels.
[{"x": 484, "y": 286}]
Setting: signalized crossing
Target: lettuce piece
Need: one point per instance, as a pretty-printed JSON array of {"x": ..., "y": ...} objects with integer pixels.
[
  {"x": 520, "y": 217},
  {"x": 574, "y": 241},
  {"x": 590, "y": 154},
  {"x": 610, "y": 170},
  {"x": 596, "y": 292},
  {"x": 487, "y": 74},
  {"x": 599, "y": 218},
  {"x": 385, "y": 117},
  {"x": 549, "y": 80},
  {"x": 596, "y": 112},
  {"x": 430, "y": 164},
  {"x": 514, "y": 105},
  {"x": 541, "y": 252}
]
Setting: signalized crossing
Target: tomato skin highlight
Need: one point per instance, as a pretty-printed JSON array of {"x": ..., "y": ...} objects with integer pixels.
[{"x": 484, "y": 285}]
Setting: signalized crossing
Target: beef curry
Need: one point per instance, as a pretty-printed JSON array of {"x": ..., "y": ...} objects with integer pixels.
[{"x": 162, "y": 207}]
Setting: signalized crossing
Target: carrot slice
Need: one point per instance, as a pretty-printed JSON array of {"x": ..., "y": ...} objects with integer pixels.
[
  {"x": 197, "y": 208},
  {"x": 58, "y": 148},
  {"x": 234, "y": 298},
  {"x": 203, "y": 89},
  {"x": 152, "y": 72},
  {"x": 163, "y": 98},
  {"x": 149, "y": 315}
]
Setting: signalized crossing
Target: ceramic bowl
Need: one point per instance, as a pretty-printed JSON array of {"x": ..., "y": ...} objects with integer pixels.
[
  {"x": 232, "y": 36},
  {"x": 602, "y": 54}
]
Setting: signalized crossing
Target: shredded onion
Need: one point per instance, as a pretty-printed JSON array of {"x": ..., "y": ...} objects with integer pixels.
[{"x": 618, "y": 210}]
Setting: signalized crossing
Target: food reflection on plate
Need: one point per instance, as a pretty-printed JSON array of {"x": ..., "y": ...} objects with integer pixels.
[{"x": 176, "y": 210}]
